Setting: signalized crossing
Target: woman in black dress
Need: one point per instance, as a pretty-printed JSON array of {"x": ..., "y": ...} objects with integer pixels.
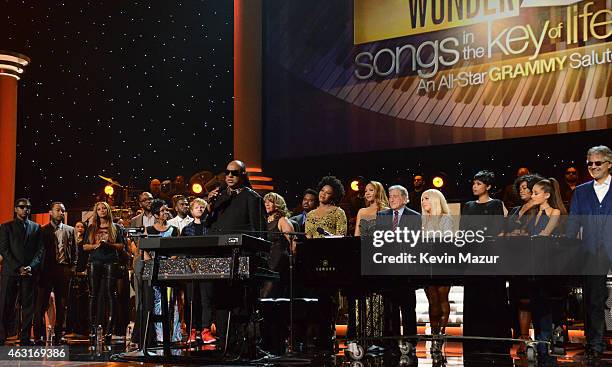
[
  {"x": 519, "y": 216},
  {"x": 481, "y": 294},
  {"x": 278, "y": 228},
  {"x": 517, "y": 225}
]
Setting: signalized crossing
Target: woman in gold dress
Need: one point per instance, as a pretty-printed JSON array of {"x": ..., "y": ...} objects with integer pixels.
[{"x": 328, "y": 215}]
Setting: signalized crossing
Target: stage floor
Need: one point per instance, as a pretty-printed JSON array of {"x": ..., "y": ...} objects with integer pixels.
[{"x": 82, "y": 355}]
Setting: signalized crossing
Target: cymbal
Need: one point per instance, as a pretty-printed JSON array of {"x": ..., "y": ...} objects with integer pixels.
[{"x": 110, "y": 180}]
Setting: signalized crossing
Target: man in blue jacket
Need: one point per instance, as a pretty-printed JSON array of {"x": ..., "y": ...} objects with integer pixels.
[{"x": 591, "y": 211}]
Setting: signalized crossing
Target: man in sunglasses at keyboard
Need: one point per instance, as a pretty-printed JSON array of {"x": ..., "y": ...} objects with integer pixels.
[
  {"x": 21, "y": 247},
  {"x": 591, "y": 212},
  {"x": 234, "y": 207}
]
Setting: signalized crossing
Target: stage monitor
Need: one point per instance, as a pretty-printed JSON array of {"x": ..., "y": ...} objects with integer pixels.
[{"x": 350, "y": 76}]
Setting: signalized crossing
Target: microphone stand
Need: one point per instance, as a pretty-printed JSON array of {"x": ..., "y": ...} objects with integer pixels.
[{"x": 291, "y": 356}]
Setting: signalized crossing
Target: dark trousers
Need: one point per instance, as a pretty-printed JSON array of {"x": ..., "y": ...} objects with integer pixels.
[
  {"x": 485, "y": 313},
  {"x": 77, "y": 318},
  {"x": 206, "y": 297},
  {"x": 122, "y": 284},
  {"x": 403, "y": 300},
  {"x": 103, "y": 296},
  {"x": 54, "y": 278},
  {"x": 10, "y": 286},
  {"x": 595, "y": 295},
  {"x": 204, "y": 318}
]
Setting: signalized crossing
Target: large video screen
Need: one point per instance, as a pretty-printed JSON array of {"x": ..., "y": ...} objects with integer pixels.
[{"x": 349, "y": 76}]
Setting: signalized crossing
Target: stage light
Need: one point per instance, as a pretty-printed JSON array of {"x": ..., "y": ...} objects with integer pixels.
[
  {"x": 196, "y": 188},
  {"x": 197, "y": 182},
  {"x": 108, "y": 190},
  {"x": 355, "y": 185},
  {"x": 437, "y": 182}
]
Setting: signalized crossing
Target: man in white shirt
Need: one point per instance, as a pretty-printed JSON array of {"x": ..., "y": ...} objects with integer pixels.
[
  {"x": 591, "y": 212},
  {"x": 181, "y": 207}
]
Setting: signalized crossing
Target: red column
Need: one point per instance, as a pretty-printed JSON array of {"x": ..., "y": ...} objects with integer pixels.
[{"x": 11, "y": 67}]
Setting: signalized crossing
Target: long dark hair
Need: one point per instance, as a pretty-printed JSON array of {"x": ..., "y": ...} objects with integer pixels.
[{"x": 551, "y": 186}]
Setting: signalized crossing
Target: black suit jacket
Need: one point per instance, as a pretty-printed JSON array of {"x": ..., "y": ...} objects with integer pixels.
[
  {"x": 50, "y": 245},
  {"x": 20, "y": 246},
  {"x": 409, "y": 219},
  {"x": 299, "y": 222},
  {"x": 244, "y": 212}
]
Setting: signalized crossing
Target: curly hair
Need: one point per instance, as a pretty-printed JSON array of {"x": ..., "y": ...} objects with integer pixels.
[
  {"x": 531, "y": 179},
  {"x": 336, "y": 186}
]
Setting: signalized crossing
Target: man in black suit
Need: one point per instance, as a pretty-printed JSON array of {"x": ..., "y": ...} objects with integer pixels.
[
  {"x": 233, "y": 208},
  {"x": 57, "y": 267},
  {"x": 402, "y": 297},
  {"x": 310, "y": 201},
  {"x": 22, "y": 249}
]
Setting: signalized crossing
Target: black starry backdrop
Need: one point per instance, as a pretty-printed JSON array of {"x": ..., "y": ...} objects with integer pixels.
[{"x": 131, "y": 90}]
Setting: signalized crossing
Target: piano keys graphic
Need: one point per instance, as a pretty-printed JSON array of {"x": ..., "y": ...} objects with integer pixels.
[{"x": 321, "y": 53}]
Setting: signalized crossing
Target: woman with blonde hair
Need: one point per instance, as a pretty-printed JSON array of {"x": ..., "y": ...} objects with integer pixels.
[
  {"x": 279, "y": 227},
  {"x": 436, "y": 220},
  {"x": 376, "y": 200},
  {"x": 104, "y": 242}
]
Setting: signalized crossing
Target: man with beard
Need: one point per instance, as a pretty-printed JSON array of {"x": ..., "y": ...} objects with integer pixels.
[
  {"x": 142, "y": 220},
  {"x": 568, "y": 185},
  {"x": 58, "y": 264},
  {"x": 414, "y": 197},
  {"x": 309, "y": 202},
  {"x": 181, "y": 208}
]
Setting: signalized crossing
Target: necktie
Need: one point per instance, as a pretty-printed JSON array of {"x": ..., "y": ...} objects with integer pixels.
[
  {"x": 395, "y": 219},
  {"x": 61, "y": 247}
]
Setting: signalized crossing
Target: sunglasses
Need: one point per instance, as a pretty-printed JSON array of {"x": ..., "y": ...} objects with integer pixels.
[
  {"x": 570, "y": 173},
  {"x": 596, "y": 163},
  {"x": 233, "y": 172},
  {"x": 24, "y": 207}
]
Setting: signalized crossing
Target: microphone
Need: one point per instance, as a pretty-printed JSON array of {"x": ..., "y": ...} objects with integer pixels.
[
  {"x": 323, "y": 232},
  {"x": 222, "y": 188}
]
